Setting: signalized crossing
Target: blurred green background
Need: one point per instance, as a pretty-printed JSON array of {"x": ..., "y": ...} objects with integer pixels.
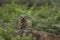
[{"x": 45, "y": 15}]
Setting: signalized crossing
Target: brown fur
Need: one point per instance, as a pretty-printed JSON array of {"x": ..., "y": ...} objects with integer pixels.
[{"x": 40, "y": 35}]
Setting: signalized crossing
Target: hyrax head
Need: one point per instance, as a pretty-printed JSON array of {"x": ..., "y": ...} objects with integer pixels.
[{"x": 23, "y": 17}]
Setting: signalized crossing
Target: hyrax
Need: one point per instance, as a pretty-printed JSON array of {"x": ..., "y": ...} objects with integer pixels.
[{"x": 25, "y": 22}]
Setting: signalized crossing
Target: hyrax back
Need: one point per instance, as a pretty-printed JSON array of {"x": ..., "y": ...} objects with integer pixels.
[{"x": 41, "y": 35}]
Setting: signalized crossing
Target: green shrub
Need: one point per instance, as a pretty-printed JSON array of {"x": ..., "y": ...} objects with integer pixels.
[{"x": 1, "y": 38}]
